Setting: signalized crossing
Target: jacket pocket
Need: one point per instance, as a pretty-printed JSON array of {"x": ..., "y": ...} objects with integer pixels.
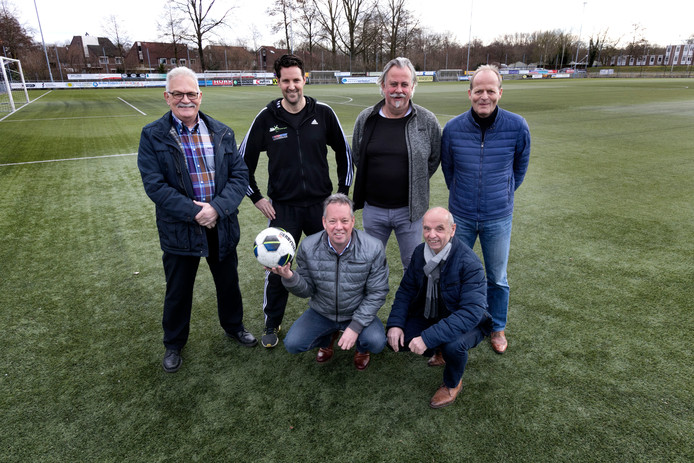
[{"x": 173, "y": 235}]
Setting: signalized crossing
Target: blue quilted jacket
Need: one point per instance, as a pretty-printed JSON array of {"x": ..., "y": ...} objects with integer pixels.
[{"x": 482, "y": 174}]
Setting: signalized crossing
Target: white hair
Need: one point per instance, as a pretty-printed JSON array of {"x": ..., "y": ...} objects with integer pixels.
[{"x": 178, "y": 72}]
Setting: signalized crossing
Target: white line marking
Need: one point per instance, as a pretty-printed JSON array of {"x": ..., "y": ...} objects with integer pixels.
[
  {"x": 132, "y": 106},
  {"x": 71, "y": 118},
  {"x": 26, "y": 105},
  {"x": 68, "y": 159}
]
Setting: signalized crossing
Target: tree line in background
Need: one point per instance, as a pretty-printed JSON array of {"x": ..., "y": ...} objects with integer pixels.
[{"x": 346, "y": 35}]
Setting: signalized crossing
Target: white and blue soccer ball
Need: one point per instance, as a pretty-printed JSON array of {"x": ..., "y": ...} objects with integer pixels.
[{"x": 274, "y": 247}]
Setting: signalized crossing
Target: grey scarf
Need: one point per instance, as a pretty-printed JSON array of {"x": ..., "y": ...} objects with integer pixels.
[{"x": 432, "y": 269}]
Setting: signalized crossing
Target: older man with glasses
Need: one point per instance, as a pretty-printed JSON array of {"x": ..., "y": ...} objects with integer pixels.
[{"x": 192, "y": 171}]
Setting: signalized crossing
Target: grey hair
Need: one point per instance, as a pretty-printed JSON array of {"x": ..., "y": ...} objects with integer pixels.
[
  {"x": 338, "y": 198},
  {"x": 402, "y": 63},
  {"x": 483, "y": 68},
  {"x": 178, "y": 72}
]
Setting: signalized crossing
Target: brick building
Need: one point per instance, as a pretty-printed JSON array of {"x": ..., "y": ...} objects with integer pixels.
[
  {"x": 87, "y": 54},
  {"x": 155, "y": 57}
]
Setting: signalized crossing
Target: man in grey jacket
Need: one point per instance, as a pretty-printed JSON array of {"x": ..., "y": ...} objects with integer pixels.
[
  {"x": 396, "y": 147},
  {"x": 344, "y": 274}
]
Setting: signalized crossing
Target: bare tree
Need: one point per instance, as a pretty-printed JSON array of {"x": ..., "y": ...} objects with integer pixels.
[
  {"x": 308, "y": 21},
  {"x": 199, "y": 12},
  {"x": 13, "y": 37},
  {"x": 638, "y": 41},
  {"x": 171, "y": 28},
  {"x": 329, "y": 20},
  {"x": 283, "y": 9},
  {"x": 115, "y": 30},
  {"x": 256, "y": 36},
  {"x": 596, "y": 44},
  {"x": 357, "y": 14},
  {"x": 396, "y": 20}
]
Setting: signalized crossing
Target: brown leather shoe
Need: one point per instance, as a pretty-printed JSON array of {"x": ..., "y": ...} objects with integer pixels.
[
  {"x": 326, "y": 353},
  {"x": 445, "y": 396},
  {"x": 361, "y": 361},
  {"x": 436, "y": 360},
  {"x": 499, "y": 343}
]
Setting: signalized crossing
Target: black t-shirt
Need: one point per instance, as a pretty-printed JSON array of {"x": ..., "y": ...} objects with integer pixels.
[
  {"x": 387, "y": 165},
  {"x": 294, "y": 120}
]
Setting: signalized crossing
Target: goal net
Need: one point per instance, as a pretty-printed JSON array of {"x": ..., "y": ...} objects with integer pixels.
[{"x": 13, "y": 89}]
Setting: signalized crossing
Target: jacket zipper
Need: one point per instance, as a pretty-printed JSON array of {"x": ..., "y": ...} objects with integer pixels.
[
  {"x": 479, "y": 178},
  {"x": 337, "y": 288}
]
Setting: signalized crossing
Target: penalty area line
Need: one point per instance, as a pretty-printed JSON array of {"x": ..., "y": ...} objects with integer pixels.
[
  {"x": 67, "y": 159},
  {"x": 40, "y": 96},
  {"x": 132, "y": 106}
]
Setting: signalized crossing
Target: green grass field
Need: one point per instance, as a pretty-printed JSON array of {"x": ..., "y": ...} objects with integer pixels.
[{"x": 599, "y": 365}]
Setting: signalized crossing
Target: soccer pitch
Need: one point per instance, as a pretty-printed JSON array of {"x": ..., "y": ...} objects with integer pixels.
[{"x": 601, "y": 270}]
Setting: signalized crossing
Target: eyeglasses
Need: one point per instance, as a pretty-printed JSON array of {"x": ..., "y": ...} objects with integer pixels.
[{"x": 192, "y": 96}]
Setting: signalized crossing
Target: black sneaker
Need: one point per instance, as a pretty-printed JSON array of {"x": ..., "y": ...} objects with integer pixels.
[{"x": 270, "y": 336}]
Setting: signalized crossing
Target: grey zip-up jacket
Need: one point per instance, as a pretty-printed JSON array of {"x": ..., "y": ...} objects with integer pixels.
[
  {"x": 352, "y": 286},
  {"x": 423, "y": 138}
]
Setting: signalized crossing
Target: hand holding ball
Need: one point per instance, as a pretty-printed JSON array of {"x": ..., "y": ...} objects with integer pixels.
[{"x": 274, "y": 247}]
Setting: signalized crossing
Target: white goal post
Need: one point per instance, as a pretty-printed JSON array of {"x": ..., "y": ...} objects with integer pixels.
[{"x": 13, "y": 89}]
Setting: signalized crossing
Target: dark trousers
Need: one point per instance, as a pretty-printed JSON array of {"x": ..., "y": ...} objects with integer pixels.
[
  {"x": 180, "y": 274},
  {"x": 295, "y": 220},
  {"x": 454, "y": 352}
]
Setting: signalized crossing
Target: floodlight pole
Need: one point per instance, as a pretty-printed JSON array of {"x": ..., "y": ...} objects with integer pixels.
[
  {"x": 57, "y": 57},
  {"x": 578, "y": 43},
  {"x": 48, "y": 63},
  {"x": 469, "y": 40}
]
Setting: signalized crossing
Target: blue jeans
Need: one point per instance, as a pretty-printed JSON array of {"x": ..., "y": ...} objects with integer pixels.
[
  {"x": 379, "y": 222},
  {"x": 495, "y": 240},
  {"x": 313, "y": 330}
]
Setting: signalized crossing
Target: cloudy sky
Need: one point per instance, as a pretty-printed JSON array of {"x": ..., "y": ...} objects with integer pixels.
[{"x": 663, "y": 22}]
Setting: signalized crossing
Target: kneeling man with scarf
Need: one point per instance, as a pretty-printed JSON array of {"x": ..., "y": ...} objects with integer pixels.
[{"x": 440, "y": 307}]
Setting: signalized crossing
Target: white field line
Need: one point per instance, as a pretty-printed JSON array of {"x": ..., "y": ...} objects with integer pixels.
[
  {"x": 132, "y": 106},
  {"x": 26, "y": 105},
  {"x": 68, "y": 159},
  {"x": 72, "y": 118}
]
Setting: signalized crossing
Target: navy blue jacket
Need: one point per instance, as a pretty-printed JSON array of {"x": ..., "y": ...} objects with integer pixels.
[
  {"x": 482, "y": 174},
  {"x": 165, "y": 176},
  {"x": 463, "y": 288}
]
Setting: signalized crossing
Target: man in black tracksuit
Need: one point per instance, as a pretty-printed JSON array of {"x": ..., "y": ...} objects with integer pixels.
[{"x": 295, "y": 131}]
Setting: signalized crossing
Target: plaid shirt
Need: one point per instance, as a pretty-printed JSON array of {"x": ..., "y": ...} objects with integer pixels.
[{"x": 199, "y": 151}]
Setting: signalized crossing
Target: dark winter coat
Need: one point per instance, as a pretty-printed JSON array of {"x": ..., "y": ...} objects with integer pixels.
[
  {"x": 165, "y": 176},
  {"x": 462, "y": 286}
]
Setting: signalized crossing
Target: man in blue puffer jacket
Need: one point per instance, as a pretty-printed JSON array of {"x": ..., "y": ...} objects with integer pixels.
[
  {"x": 439, "y": 309},
  {"x": 484, "y": 156}
]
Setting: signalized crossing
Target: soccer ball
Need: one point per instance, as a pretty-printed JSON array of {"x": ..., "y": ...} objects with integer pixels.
[{"x": 274, "y": 247}]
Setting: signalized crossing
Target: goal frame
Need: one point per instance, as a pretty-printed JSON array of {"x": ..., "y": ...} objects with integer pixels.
[{"x": 8, "y": 84}]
